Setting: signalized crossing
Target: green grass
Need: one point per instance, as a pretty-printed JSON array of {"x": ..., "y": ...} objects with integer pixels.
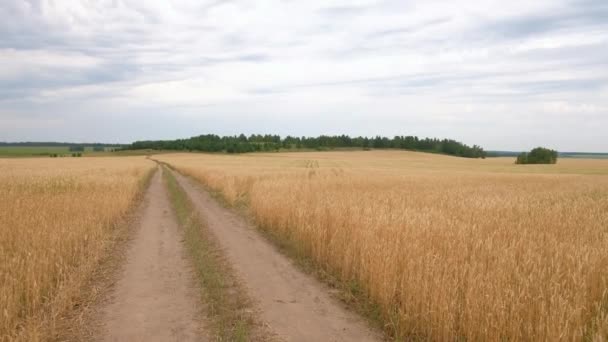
[
  {"x": 32, "y": 151},
  {"x": 226, "y": 302},
  {"x": 63, "y": 151},
  {"x": 586, "y": 156},
  {"x": 124, "y": 153}
]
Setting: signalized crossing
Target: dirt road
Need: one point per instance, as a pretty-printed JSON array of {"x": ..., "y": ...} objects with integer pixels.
[
  {"x": 293, "y": 304},
  {"x": 155, "y": 297}
]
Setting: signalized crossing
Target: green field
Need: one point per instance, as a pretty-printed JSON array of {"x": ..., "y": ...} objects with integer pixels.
[
  {"x": 29, "y": 151},
  {"x": 43, "y": 151},
  {"x": 584, "y": 155},
  {"x": 64, "y": 151}
]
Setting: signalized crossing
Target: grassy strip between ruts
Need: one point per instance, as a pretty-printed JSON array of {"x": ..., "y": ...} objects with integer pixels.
[{"x": 228, "y": 307}]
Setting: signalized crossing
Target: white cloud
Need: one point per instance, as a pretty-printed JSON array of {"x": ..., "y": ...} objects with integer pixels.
[
  {"x": 19, "y": 63},
  {"x": 186, "y": 92}
]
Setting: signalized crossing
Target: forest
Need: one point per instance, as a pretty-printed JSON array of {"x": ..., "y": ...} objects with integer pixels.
[{"x": 267, "y": 143}]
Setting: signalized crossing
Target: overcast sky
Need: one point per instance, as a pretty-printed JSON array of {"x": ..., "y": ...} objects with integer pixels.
[{"x": 506, "y": 75}]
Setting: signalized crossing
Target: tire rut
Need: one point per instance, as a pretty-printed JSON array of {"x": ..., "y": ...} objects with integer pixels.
[{"x": 154, "y": 297}]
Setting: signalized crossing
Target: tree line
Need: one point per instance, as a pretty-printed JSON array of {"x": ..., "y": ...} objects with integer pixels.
[{"x": 261, "y": 143}]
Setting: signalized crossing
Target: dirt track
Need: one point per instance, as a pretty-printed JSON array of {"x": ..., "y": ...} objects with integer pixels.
[
  {"x": 155, "y": 297},
  {"x": 293, "y": 304}
]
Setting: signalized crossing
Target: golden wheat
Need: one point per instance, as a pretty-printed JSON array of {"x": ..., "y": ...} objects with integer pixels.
[
  {"x": 56, "y": 216},
  {"x": 448, "y": 248}
]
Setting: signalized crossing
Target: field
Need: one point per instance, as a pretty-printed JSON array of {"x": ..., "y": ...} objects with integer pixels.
[
  {"x": 56, "y": 218},
  {"x": 446, "y": 248},
  {"x": 25, "y": 151},
  {"x": 40, "y": 151}
]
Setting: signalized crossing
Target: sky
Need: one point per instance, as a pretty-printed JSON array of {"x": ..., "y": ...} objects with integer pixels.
[{"x": 506, "y": 75}]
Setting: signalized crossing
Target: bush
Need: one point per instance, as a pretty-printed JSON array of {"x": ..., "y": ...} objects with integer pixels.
[{"x": 539, "y": 155}]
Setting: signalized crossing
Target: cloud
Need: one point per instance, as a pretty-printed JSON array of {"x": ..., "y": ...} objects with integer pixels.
[
  {"x": 465, "y": 70},
  {"x": 573, "y": 16}
]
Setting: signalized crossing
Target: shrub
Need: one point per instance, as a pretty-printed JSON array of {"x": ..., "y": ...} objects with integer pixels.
[{"x": 539, "y": 155}]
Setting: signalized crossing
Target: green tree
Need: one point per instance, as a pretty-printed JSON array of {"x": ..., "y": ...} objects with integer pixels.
[{"x": 539, "y": 155}]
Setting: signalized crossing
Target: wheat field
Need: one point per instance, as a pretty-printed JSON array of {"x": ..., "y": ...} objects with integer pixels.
[
  {"x": 447, "y": 248},
  {"x": 56, "y": 218}
]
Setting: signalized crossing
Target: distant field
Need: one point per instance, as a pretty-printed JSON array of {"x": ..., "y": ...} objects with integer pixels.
[
  {"x": 447, "y": 248},
  {"x": 23, "y": 151},
  {"x": 45, "y": 151},
  {"x": 585, "y": 156}
]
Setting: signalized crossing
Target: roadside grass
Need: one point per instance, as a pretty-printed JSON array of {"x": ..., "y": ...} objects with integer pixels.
[
  {"x": 351, "y": 294},
  {"x": 227, "y": 305}
]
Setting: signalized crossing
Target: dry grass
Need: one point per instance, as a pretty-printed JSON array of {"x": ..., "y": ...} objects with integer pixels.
[
  {"x": 448, "y": 248},
  {"x": 56, "y": 217}
]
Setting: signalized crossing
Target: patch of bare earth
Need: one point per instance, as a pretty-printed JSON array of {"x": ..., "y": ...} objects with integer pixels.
[{"x": 293, "y": 304}]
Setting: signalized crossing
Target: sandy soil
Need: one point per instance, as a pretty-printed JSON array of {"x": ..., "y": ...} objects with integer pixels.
[
  {"x": 294, "y": 305},
  {"x": 155, "y": 296}
]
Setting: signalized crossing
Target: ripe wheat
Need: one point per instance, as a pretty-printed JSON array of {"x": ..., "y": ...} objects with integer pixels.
[
  {"x": 448, "y": 248},
  {"x": 56, "y": 217}
]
